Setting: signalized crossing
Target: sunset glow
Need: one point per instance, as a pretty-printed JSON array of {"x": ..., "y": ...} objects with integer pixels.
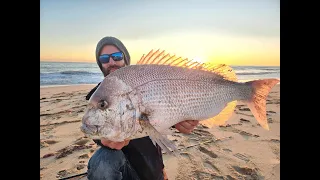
[{"x": 231, "y": 32}]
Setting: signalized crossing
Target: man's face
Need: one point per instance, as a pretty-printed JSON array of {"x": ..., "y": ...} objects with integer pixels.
[{"x": 114, "y": 63}]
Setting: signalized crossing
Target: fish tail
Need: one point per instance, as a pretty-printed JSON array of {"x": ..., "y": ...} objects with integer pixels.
[{"x": 257, "y": 102}]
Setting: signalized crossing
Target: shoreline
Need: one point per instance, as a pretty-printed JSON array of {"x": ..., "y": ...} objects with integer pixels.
[
  {"x": 68, "y": 85},
  {"x": 64, "y": 85}
]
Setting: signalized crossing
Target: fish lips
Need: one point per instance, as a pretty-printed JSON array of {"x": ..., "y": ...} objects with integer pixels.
[{"x": 90, "y": 129}]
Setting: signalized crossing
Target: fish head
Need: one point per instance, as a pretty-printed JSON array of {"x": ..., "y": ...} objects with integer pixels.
[{"x": 110, "y": 113}]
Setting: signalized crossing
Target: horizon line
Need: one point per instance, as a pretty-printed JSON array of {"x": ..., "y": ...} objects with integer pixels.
[{"x": 135, "y": 64}]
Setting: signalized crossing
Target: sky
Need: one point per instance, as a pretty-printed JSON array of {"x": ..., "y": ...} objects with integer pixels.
[{"x": 234, "y": 32}]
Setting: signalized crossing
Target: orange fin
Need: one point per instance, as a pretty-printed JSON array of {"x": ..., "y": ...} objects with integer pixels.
[
  {"x": 222, "y": 117},
  {"x": 163, "y": 58},
  {"x": 257, "y": 103}
]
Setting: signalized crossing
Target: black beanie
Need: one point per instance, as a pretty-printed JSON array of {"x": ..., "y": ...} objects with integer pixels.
[{"x": 112, "y": 41}]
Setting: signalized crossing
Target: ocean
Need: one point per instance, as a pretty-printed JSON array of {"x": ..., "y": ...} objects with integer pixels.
[{"x": 73, "y": 73}]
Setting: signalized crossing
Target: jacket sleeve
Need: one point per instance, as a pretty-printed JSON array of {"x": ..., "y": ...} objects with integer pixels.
[{"x": 91, "y": 92}]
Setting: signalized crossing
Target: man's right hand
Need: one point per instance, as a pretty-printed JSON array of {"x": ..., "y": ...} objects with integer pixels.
[{"x": 114, "y": 145}]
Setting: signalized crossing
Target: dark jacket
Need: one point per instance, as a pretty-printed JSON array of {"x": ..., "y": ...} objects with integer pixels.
[{"x": 144, "y": 157}]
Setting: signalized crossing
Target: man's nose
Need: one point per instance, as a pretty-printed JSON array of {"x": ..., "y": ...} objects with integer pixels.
[{"x": 112, "y": 62}]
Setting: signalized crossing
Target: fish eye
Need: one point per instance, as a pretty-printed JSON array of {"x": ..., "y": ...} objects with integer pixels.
[{"x": 102, "y": 104}]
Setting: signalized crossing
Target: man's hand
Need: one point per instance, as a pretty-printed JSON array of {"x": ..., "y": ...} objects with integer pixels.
[
  {"x": 186, "y": 126},
  {"x": 114, "y": 145}
]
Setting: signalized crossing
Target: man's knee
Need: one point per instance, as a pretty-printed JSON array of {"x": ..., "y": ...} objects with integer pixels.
[{"x": 105, "y": 163}]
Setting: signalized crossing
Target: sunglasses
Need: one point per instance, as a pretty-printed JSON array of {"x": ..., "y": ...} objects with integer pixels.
[{"x": 105, "y": 58}]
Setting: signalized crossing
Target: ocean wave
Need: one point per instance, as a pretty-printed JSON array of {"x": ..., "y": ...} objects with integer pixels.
[
  {"x": 255, "y": 73},
  {"x": 69, "y": 73},
  {"x": 271, "y": 69},
  {"x": 75, "y": 72}
]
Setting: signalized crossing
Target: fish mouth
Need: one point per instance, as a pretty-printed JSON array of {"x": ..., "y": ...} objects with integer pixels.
[{"x": 89, "y": 129}]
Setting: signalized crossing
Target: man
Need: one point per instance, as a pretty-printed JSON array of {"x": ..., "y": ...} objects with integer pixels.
[{"x": 139, "y": 158}]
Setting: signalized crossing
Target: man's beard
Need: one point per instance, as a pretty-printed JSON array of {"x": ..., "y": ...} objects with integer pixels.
[{"x": 111, "y": 69}]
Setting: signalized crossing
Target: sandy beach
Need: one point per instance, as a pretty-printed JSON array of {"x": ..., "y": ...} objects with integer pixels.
[{"x": 240, "y": 149}]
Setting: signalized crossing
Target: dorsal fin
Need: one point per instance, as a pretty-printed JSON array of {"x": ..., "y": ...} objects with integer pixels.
[{"x": 163, "y": 58}]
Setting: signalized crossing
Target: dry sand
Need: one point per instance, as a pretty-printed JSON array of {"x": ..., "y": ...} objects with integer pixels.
[{"x": 240, "y": 149}]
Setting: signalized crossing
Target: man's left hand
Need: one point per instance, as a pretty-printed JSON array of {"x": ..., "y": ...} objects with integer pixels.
[{"x": 186, "y": 126}]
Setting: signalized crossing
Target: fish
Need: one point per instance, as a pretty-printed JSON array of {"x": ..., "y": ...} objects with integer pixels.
[{"x": 161, "y": 90}]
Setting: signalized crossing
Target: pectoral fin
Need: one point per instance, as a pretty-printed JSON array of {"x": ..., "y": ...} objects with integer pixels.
[{"x": 156, "y": 136}]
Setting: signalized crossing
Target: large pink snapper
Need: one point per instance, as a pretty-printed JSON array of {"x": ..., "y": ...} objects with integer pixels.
[{"x": 148, "y": 98}]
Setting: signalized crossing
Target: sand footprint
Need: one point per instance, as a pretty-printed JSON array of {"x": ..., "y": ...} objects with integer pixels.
[
  {"x": 63, "y": 173},
  {"x": 201, "y": 132},
  {"x": 72, "y": 173},
  {"x": 244, "y": 134},
  {"x": 70, "y": 149},
  {"x": 211, "y": 166},
  {"x": 227, "y": 150},
  {"x": 208, "y": 175},
  {"x": 84, "y": 156},
  {"x": 242, "y": 120},
  {"x": 248, "y": 173},
  {"x": 242, "y": 157},
  {"x": 82, "y": 141},
  {"x": 47, "y": 143},
  {"x": 80, "y": 166},
  {"x": 229, "y": 177},
  {"x": 274, "y": 101},
  {"x": 275, "y": 147},
  {"x": 186, "y": 155},
  {"x": 207, "y": 152}
]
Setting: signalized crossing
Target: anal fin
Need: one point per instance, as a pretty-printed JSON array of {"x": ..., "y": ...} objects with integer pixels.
[
  {"x": 222, "y": 117},
  {"x": 157, "y": 137}
]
